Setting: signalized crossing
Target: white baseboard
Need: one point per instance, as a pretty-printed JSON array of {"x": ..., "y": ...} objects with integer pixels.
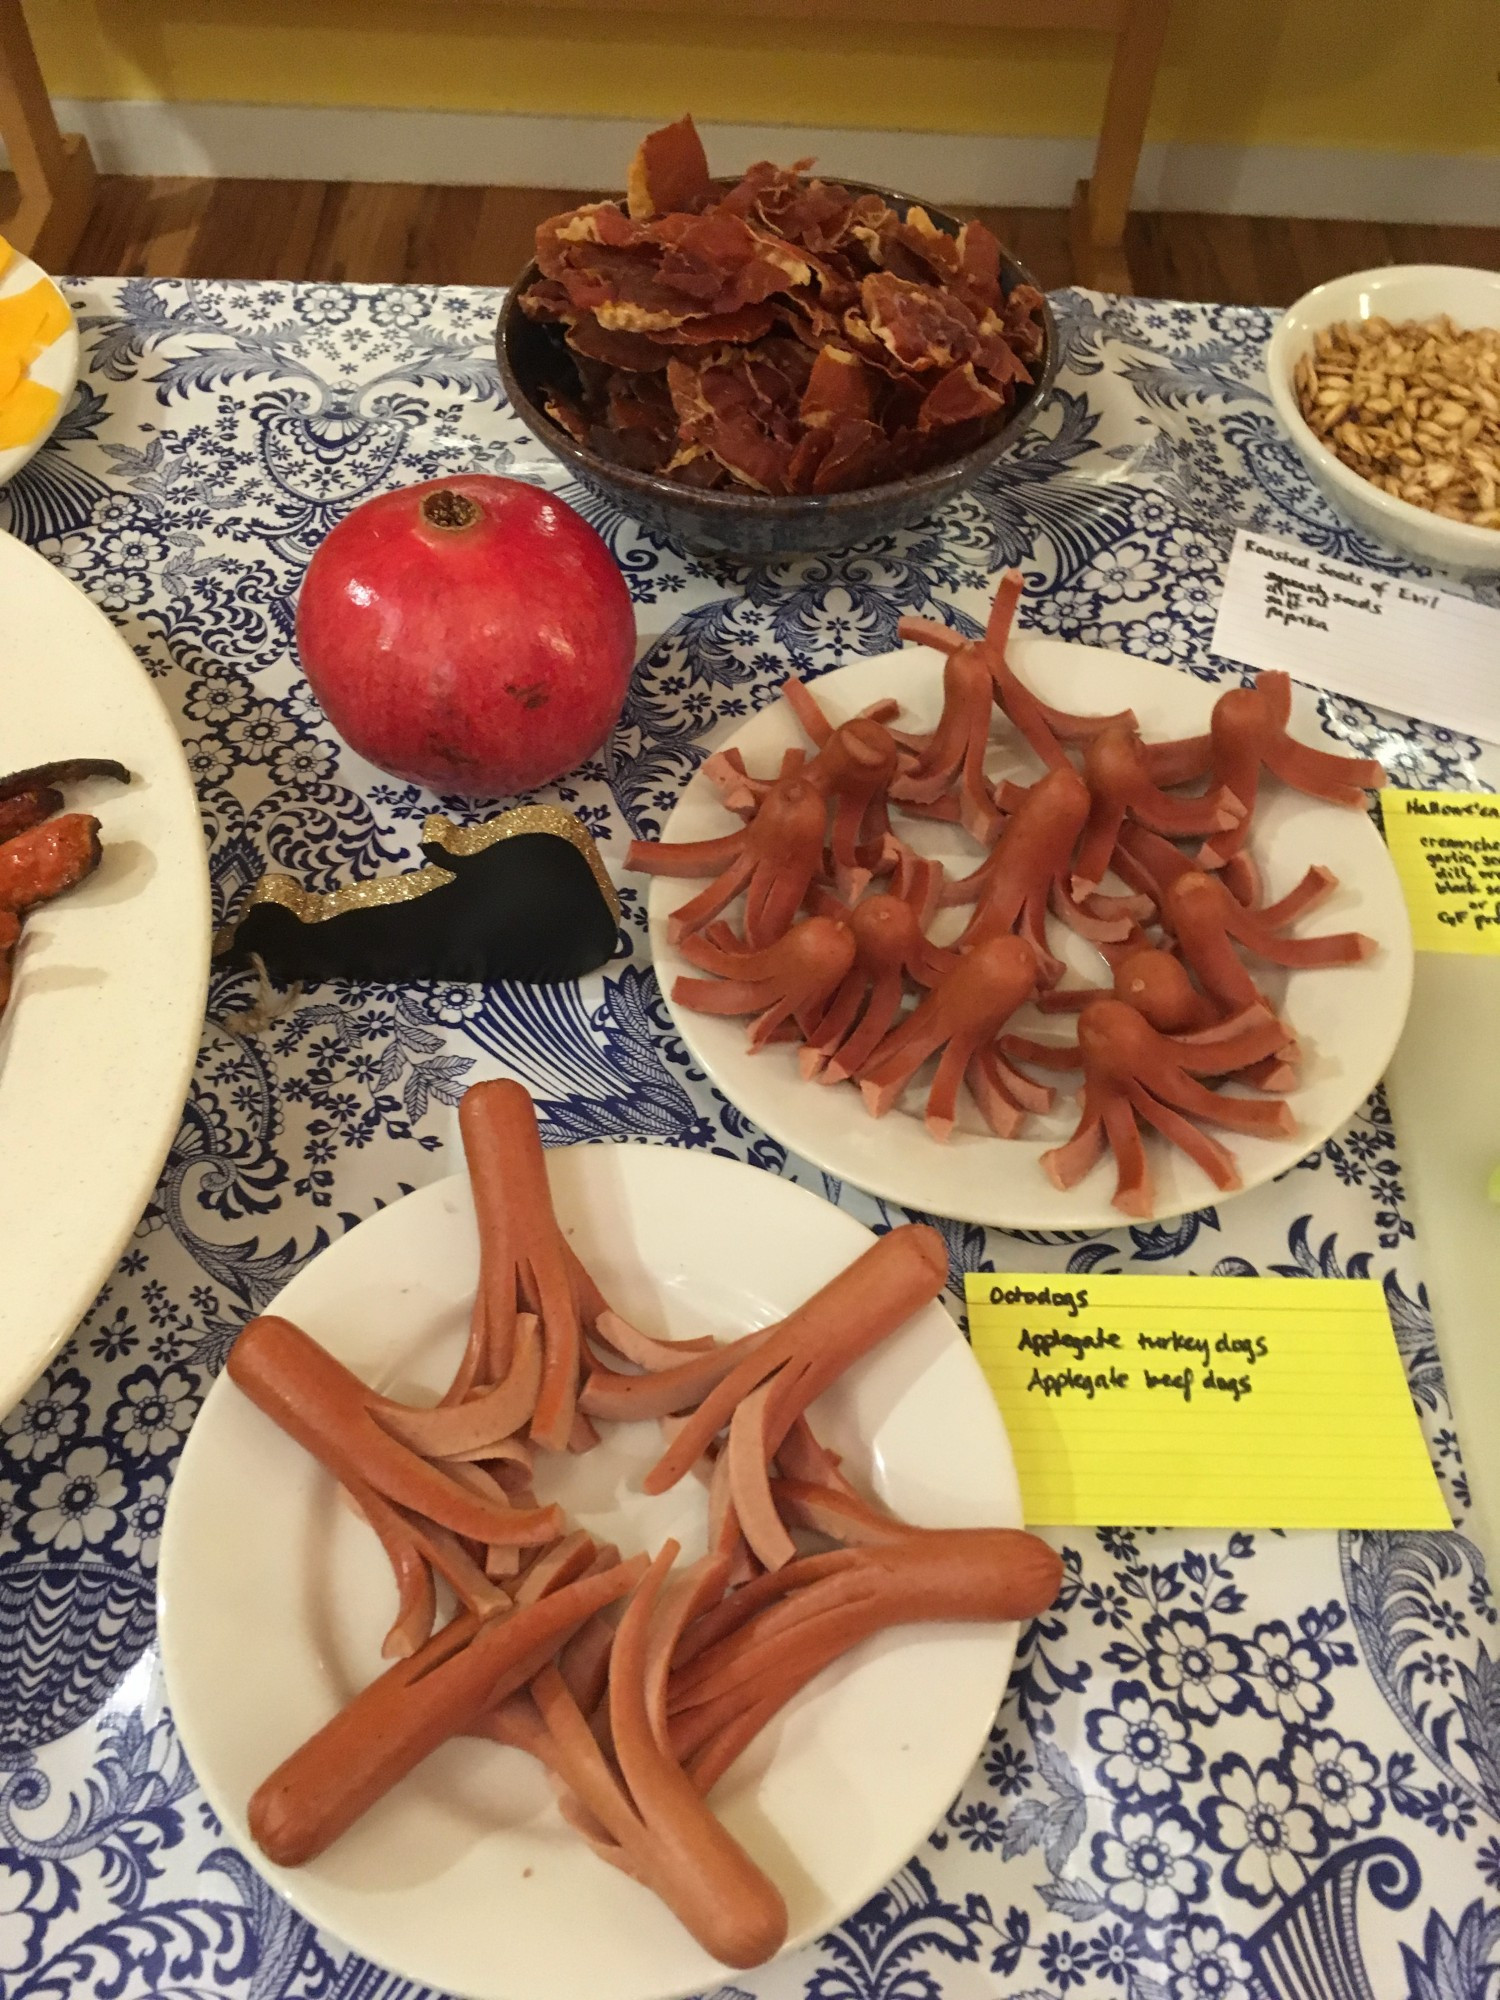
[{"x": 500, "y": 149}]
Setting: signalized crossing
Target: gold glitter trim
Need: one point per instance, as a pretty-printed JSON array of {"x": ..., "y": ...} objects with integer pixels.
[
  {"x": 310, "y": 908},
  {"x": 439, "y": 831}
]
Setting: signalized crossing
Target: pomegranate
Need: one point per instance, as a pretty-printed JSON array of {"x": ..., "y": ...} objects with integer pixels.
[{"x": 472, "y": 634}]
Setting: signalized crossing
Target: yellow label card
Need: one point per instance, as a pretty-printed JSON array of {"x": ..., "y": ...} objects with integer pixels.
[
  {"x": 1203, "y": 1402},
  {"x": 1446, "y": 847}
]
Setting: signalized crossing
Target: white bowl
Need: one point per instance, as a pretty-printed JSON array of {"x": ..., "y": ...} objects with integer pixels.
[
  {"x": 56, "y": 367},
  {"x": 1400, "y": 292}
]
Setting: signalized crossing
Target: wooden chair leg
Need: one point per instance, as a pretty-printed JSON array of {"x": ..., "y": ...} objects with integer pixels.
[
  {"x": 54, "y": 170},
  {"x": 1101, "y": 204},
  {"x": 1103, "y": 266}
]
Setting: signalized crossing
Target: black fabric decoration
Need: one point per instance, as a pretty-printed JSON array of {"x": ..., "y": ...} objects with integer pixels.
[{"x": 521, "y": 896}]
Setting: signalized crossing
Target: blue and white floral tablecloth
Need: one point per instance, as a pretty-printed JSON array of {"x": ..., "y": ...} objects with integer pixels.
[{"x": 1254, "y": 1766}]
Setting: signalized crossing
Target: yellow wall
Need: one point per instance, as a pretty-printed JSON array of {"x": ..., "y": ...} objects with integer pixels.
[{"x": 1413, "y": 75}]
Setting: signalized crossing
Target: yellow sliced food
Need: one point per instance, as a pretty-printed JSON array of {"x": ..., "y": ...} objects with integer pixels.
[
  {"x": 10, "y": 374},
  {"x": 31, "y": 320},
  {"x": 24, "y": 412}
]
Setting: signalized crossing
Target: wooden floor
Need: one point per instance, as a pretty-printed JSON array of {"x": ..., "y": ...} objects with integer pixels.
[{"x": 399, "y": 232}]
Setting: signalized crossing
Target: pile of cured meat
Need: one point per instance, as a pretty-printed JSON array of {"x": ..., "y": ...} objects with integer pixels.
[
  {"x": 43, "y": 850},
  {"x": 788, "y": 336},
  {"x": 635, "y": 1683},
  {"x": 834, "y": 951}
]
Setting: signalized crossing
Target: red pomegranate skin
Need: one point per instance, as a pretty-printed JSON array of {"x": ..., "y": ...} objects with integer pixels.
[{"x": 485, "y": 658}]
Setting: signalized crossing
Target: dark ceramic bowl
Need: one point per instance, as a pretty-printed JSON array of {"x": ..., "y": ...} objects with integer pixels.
[{"x": 757, "y": 527}]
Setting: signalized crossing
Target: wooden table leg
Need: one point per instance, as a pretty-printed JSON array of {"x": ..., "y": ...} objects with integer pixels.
[
  {"x": 1102, "y": 203},
  {"x": 55, "y": 170}
]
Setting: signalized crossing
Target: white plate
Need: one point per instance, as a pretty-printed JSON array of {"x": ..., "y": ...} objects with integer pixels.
[
  {"x": 97, "y": 1044},
  {"x": 1349, "y": 1017},
  {"x": 56, "y": 367},
  {"x": 274, "y": 1599}
]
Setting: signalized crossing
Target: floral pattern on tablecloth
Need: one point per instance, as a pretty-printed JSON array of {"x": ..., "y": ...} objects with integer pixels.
[{"x": 1252, "y": 1766}]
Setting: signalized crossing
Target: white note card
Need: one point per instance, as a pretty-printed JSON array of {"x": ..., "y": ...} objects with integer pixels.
[{"x": 1404, "y": 646}]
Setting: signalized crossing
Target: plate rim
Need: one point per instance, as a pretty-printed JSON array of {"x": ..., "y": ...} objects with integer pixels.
[
  {"x": 1093, "y": 1220},
  {"x": 21, "y": 1364},
  {"x": 174, "y": 1582}
]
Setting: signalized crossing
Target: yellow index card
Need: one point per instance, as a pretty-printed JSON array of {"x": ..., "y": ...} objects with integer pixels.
[
  {"x": 1203, "y": 1402},
  {"x": 1446, "y": 847}
]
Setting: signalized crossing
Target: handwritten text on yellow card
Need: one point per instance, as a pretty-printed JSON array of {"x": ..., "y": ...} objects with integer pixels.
[
  {"x": 1446, "y": 847},
  {"x": 1204, "y": 1402}
]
